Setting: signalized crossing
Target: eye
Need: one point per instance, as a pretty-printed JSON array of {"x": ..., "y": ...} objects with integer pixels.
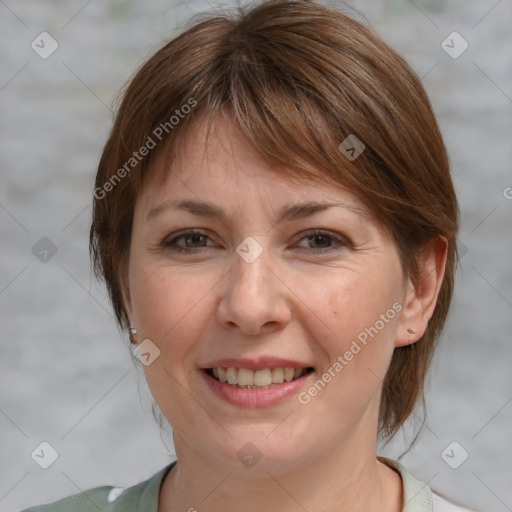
[
  {"x": 322, "y": 241},
  {"x": 192, "y": 239}
]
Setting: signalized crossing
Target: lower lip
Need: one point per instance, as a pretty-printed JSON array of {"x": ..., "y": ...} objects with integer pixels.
[{"x": 242, "y": 397}]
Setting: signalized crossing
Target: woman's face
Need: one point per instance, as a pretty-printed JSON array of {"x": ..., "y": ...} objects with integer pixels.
[{"x": 232, "y": 266}]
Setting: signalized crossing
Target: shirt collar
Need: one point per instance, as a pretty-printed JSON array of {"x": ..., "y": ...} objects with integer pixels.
[
  {"x": 144, "y": 494},
  {"x": 417, "y": 495}
]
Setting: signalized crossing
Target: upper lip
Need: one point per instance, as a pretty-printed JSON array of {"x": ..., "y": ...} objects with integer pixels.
[{"x": 254, "y": 364}]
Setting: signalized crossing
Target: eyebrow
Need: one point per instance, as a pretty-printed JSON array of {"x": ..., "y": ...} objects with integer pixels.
[{"x": 286, "y": 213}]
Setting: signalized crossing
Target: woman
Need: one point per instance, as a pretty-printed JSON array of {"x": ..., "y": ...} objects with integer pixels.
[{"x": 275, "y": 221}]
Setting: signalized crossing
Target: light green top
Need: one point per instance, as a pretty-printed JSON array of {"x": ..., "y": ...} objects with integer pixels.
[{"x": 143, "y": 497}]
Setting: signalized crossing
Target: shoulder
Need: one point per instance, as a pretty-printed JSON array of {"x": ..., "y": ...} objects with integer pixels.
[
  {"x": 92, "y": 499},
  {"x": 140, "y": 497},
  {"x": 442, "y": 504}
]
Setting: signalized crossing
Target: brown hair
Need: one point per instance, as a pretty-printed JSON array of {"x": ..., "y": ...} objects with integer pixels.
[{"x": 298, "y": 79}]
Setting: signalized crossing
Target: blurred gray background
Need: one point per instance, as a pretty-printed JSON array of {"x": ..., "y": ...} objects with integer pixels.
[{"x": 67, "y": 376}]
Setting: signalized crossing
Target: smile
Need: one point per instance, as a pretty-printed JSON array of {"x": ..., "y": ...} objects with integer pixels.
[
  {"x": 263, "y": 387},
  {"x": 256, "y": 379}
]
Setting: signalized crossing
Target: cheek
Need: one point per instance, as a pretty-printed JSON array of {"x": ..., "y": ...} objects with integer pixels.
[
  {"x": 170, "y": 307},
  {"x": 337, "y": 304},
  {"x": 352, "y": 314},
  {"x": 168, "y": 302}
]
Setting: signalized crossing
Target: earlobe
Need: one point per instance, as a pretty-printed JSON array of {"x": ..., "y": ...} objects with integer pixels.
[
  {"x": 421, "y": 295},
  {"x": 133, "y": 333}
]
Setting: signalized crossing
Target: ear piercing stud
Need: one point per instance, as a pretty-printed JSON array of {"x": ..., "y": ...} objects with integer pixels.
[
  {"x": 411, "y": 331},
  {"x": 133, "y": 331}
]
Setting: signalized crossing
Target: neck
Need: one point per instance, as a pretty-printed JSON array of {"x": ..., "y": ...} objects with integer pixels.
[{"x": 343, "y": 480}]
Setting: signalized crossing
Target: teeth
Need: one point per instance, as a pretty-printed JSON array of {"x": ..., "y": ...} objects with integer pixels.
[
  {"x": 277, "y": 375},
  {"x": 260, "y": 378},
  {"x": 288, "y": 374},
  {"x": 232, "y": 376},
  {"x": 245, "y": 377}
]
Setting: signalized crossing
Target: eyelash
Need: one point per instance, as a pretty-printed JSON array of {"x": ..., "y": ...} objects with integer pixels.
[{"x": 171, "y": 244}]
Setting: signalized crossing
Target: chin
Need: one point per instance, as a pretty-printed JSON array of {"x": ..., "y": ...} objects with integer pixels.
[{"x": 256, "y": 451}]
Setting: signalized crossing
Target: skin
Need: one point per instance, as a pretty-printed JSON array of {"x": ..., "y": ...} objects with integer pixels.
[{"x": 291, "y": 303}]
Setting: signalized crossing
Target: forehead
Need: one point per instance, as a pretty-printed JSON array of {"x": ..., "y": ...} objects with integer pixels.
[
  {"x": 216, "y": 150},
  {"x": 221, "y": 166}
]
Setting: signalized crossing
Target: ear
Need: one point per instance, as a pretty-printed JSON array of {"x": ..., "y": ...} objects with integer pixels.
[{"x": 421, "y": 295}]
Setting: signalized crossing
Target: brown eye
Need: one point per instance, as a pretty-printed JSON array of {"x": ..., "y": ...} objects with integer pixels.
[
  {"x": 194, "y": 240},
  {"x": 187, "y": 242},
  {"x": 321, "y": 242}
]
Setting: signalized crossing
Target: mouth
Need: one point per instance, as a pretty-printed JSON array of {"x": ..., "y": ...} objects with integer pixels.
[
  {"x": 263, "y": 378},
  {"x": 263, "y": 382}
]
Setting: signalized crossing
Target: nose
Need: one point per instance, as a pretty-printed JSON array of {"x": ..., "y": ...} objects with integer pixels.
[{"x": 254, "y": 298}]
